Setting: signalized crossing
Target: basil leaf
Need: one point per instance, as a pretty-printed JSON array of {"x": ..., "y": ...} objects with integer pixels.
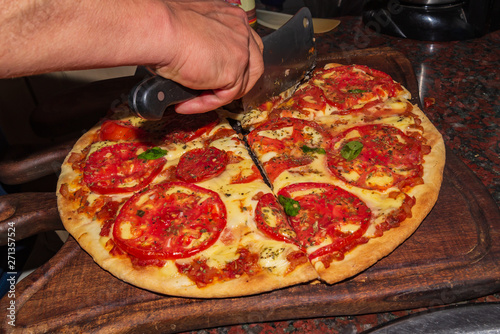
[
  {"x": 357, "y": 91},
  {"x": 351, "y": 150},
  {"x": 307, "y": 149},
  {"x": 290, "y": 205},
  {"x": 152, "y": 154}
]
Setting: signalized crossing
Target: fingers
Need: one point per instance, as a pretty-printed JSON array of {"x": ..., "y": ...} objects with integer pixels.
[
  {"x": 208, "y": 100},
  {"x": 218, "y": 52},
  {"x": 256, "y": 62},
  {"x": 213, "y": 99}
]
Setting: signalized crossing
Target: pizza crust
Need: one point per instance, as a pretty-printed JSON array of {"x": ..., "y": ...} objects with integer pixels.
[{"x": 166, "y": 280}]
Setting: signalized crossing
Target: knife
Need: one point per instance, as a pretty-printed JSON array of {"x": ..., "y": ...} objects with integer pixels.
[
  {"x": 274, "y": 20},
  {"x": 289, "y": 54}
]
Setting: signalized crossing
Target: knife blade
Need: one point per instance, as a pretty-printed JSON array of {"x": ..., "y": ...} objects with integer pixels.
[
  {"x": 274, "y": 20},
  {"x": 289, "y": 54}
]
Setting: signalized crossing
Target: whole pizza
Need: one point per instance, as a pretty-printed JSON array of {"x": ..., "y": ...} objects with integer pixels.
[{"x": 317, "y": 184}]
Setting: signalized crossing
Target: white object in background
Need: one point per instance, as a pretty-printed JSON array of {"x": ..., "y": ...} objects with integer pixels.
[{"x": 274, "y": 20}]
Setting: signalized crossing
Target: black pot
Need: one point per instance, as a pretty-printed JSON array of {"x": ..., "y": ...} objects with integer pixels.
[{"x": 430, "y": 20}]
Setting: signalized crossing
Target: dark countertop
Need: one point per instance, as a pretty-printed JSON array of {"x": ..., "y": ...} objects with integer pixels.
[{"x": 463, "y": 77}]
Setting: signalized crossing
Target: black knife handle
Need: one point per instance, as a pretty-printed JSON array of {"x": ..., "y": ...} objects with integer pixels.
[{"x": 150, "y": 97}]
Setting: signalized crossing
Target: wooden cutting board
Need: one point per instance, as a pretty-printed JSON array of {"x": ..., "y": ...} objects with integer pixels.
[{"x": 453, "y": 256}]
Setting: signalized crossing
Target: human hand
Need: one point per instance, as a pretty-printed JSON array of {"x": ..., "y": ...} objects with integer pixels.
[
  {"x": 201, "y": 44},
  {"x": 214, "y": 49}
]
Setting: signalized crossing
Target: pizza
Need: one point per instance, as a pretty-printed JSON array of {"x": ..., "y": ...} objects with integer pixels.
[{"x": 315, "y": 185}]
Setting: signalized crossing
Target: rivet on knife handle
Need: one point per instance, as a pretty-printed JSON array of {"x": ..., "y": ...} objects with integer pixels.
[{"x": 150, "y": 97}]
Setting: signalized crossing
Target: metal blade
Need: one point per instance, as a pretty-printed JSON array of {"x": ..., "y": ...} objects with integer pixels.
[{"x": 289, "y": 54}]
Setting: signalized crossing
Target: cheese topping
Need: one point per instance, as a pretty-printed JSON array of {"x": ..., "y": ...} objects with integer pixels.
[
  {"x": 352, "y": 176},
  {"x": 379, "y": 179},
  {"x": 350, "y": 135},
  {"x": 267, "y": 156},
  {"x": 100, "y": 144},
  {"x": 272, "y": 255},
  {"x": 316, "y": 139},
  {"x": 279, "y": 134},
  {"x": 219, "y": 255},
  {"x": 126, "y": 231}
]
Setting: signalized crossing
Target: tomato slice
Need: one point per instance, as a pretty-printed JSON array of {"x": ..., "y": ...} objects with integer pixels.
[
  {"x": 201, "y": 164},
  {"x": 287, "y": 137},
  {"x": 347, "y": 86},
  {"x": 271, "y": 220},
  {"x": 387, "y": 159},
  {"x": 327, "y": 212},
  {"x": 240, "y": 178},
  {"x": 310, "y": 97},
  {"x": 117, "y": 169},
  {"x": 116, "y": 130},
  {"x": 184, "y": 128},
  {"x": 170, "y": 220}
]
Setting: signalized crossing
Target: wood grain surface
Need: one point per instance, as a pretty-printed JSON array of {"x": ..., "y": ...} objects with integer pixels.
[
  {"x": 453, "y": 256},
  {"x": 29, "y": 213}
]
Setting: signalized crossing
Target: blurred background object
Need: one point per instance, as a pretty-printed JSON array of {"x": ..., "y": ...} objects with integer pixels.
[
  {"x": 318, "y": 8},
  {"x": 433, "y": 20},
  {"x": 428, "y": 20}
]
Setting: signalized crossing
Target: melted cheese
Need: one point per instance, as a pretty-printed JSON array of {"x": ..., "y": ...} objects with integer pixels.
[
  {"x": 170, "y": 270},
  {"x": 316, "y": 139},
  {"x": 240, "y": 202},
  {"x": 396, "y": 104},
  {"x": 379, "y": 179},
  {"x": 273, "y": 258},
  {"x": 219, "y": 255},
  {"x": 278, "y": 134},
  {"x": 100, "y": 144},
  {"x": 337, "y": 123},
  {"x": 349, "y": 228},
  {"x": 254, "y": 116},
  {"x": 400, "y": 122},
  {"x": 269, "y": 217},
  {"x": 126, "y": 231},
  {"x": 351, "y": 135},
  {"x": 267, "y": 156},
  {"x": 352, "y": 176},
  {"x": 272, "y": 254}
]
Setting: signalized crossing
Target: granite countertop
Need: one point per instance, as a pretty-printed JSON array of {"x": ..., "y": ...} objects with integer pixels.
[{"x": 459, "y": 85}]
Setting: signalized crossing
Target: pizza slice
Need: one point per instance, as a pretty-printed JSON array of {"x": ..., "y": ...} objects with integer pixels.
[
  {"x": 332, "y": 89},
  {"x": 356, "y": 182},
  {"x": 330, "y": 216},
  {"x": 178, "y": 209}
]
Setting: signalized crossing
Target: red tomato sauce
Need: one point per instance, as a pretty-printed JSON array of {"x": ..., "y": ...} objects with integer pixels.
[{"x": 202, "y": 274}]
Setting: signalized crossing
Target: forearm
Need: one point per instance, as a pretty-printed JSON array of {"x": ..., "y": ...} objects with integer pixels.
[
  {"x": 201, "y": 44},
  {"x": 49, "y": 35}
]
